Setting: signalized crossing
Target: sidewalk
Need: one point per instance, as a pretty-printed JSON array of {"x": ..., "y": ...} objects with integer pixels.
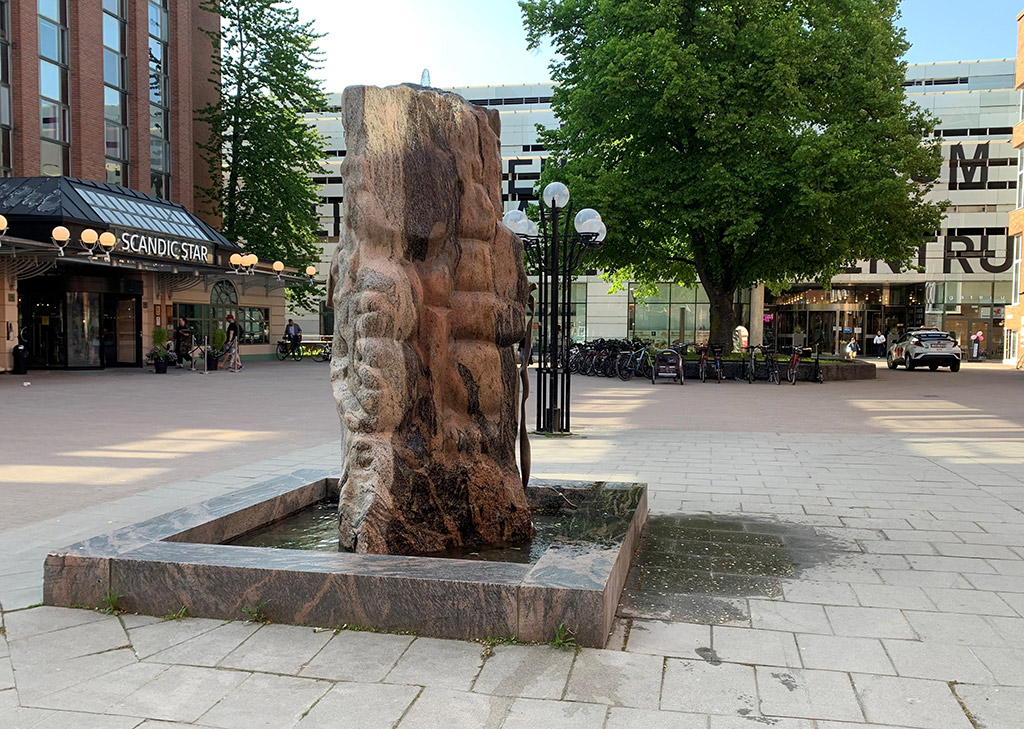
[{"x": 910, "y": 616}]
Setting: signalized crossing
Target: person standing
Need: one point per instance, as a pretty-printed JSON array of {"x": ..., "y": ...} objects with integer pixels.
[
  {"x": 879, "y": 341},
  {"x": 234, "y": 359},
  {"x": 293, "y": 335},
  {"x": 183, "y": 343}
]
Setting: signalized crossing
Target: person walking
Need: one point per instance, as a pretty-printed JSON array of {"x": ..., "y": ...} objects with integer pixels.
[
  {"x": 879, "y": 341},
  {"x": 183, "y": 344},
  {"x": 293, "y": 335},
  {"x": 233, "y": 358}
]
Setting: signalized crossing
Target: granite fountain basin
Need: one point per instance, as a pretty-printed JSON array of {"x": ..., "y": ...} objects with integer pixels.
[{"x": 181, "y": 559}]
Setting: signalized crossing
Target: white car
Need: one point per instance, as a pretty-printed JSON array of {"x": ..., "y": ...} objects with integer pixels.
[{"x": 929, "y": 348}]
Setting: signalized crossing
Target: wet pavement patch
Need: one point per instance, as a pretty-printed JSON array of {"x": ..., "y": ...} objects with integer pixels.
[{"x": 701, "y": 569}]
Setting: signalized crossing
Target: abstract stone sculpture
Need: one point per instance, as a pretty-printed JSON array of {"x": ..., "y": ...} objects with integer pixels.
[{"x": 429, "y": 295}]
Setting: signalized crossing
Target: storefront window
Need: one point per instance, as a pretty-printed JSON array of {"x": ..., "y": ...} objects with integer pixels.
[
  {"x": 676, "y": 314},
  {"x": 205, "y": 319}
]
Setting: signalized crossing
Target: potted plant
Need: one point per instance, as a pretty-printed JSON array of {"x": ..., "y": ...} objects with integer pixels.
[
  {"x": 798, "y": 336},
  {"x": 216, "y": 351},
  {"x": 160, "y": 355}
]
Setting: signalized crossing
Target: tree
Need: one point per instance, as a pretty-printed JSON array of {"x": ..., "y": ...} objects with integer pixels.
[
  {"x": 261, "y": 151},
  {"x": 738, "y": 141}
]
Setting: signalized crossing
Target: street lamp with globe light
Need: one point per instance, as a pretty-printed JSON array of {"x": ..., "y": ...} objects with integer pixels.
[{"x": 554, "y": 255}]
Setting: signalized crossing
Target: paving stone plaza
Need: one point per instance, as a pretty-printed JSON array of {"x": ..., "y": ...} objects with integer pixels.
[{"x": 837, "y": 556}]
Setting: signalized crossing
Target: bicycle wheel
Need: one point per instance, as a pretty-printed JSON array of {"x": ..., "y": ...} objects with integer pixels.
[
  {"x": 791, "y": 371},
  {"x": 645, "y": 368},
  {"x": 751, "y": 374},
  {"x": 297, "y": 353},
  {"x": 720, "y": 371},
  {"x": 773, "y": 373},
  {"x": 282, "y": 351},
  {"x": 703, "y": 370},
  {"x": 624, "y": 368},
  {"x": 322, "y": 354}
]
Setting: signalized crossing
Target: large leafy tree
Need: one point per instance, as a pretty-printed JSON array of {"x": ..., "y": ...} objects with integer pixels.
[
  {"x": 738, "y": 141},
  {"x": 261, "y": 151}
]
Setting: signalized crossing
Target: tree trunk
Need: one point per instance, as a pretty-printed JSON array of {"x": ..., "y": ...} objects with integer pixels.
[{"x": 723, "y": 316}]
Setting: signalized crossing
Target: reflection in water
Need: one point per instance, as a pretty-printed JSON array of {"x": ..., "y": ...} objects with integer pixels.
[
  {"x": 315, "y": 528},
  {"x": 598, "y": 516}
]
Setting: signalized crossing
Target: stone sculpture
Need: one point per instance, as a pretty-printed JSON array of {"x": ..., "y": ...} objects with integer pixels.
[{"x": 429, "y": 294}]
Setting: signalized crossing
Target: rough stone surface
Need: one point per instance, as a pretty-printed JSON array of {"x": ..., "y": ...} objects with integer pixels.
[{"x": 429, "y": 293}]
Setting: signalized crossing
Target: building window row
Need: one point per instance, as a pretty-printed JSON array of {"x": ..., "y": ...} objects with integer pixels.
[
  {"x": 115, "y": 90},
  {"x": 937, "y": 81},
  {"x": 54, "y": 94},
  {"x": 159, "y": 101},
  {"x": 512, "y": 101},
  {"x": 5, "y": 89},
  {"x": 978, "y": 132}
]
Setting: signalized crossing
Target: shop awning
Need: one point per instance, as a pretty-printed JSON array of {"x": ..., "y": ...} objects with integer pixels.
[{"x": 34, "y": 205}]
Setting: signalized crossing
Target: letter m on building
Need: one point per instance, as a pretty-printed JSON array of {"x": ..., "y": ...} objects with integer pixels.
[{"x": 976, "y": 167}]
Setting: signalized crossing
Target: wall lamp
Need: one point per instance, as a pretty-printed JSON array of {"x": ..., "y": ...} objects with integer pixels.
[{"x": 244, "y": 264}]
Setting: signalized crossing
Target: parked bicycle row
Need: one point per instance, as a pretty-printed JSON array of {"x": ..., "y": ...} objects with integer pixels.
[{"x": 627, "y": 359}]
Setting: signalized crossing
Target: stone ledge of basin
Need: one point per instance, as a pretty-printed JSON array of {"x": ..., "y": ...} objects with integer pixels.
[
  {"x": 79, "y": 574},
  {"x": 571, "y": 584},
  {"x": 350, "y": 563},
  {"x": 430, "y": 605},
  {"x": 178, "y": 521}
]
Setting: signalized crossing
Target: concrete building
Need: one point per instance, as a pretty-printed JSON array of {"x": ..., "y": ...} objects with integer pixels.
[
  {"x": 962, "y": 276},
  {"x": 97, "y": 134}
]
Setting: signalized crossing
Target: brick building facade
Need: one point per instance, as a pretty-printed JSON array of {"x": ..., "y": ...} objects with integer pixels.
[
  {"x": 104, "y": 94},
  {"x": 1015, "y": 309}
]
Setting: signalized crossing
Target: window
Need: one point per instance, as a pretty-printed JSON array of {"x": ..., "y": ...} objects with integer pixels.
[
  {"x": 205, "y": 319},
  {"x": 5, "y": 89},
  {"x": 159, "y": 113},
  {"x": 54, "y": 100},
  {"x": 115, "y": 90},
  {"x": 1017, "y": 281},
  {"x": 224, "y": 294}
]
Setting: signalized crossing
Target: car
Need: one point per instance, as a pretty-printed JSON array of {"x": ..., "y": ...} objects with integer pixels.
[{"x": 925, "y": 347}]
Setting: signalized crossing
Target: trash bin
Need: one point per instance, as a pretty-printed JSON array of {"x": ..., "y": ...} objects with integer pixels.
[{"x": 20, "y": 360}]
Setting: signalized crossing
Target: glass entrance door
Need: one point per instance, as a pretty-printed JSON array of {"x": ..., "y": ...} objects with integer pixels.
[
  {"x": 84, "y": 319},
  {"x": 42, "y": 320},
  {"x": 126, "y": 332},
  {"x": 820, "y": 328}
]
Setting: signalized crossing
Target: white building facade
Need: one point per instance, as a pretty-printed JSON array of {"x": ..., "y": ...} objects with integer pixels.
[{"x": 962, "y": 279}]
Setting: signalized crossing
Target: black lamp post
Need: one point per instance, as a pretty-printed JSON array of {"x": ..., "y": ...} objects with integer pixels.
[{"x": 554, "y": 254}]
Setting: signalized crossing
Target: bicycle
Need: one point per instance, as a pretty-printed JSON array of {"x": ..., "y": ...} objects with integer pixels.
[
  {"x": 794, "y": 364},
  {"x": 771, "y": 364},
  {"x": 702, "y": 364},
  {"x": 284, "y": 349},
  {"x": 637, "y": 361}
]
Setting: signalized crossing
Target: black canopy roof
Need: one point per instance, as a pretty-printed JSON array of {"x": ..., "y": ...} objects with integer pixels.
[{"x": 34, "y": 205}]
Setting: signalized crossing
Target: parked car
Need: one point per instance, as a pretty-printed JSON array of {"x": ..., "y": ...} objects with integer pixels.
[{"x": 929, "y": 348}]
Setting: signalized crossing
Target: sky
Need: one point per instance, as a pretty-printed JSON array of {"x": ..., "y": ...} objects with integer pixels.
[{"x": 482, "y": 42}]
